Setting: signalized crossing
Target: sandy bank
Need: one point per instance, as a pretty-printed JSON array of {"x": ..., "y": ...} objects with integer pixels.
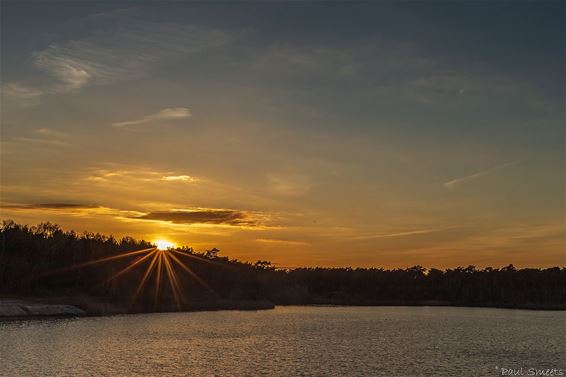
[
  {"x": 18, "y": 308},
  {"x": 30, "y": 308}
]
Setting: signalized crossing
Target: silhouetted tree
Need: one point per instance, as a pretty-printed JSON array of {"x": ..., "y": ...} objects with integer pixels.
[{"x": 38, "y": 260}]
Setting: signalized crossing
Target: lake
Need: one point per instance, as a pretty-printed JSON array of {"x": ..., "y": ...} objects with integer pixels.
[{"x": 289, "y": 341}]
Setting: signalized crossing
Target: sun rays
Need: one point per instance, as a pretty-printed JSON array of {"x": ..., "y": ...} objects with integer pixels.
[{"x": 161, "y": 265}]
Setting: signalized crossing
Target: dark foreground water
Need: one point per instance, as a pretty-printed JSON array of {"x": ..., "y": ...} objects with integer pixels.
[{"x": 289, "y": 341}]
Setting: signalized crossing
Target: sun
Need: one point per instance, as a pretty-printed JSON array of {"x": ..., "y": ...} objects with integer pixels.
[{"x": 163, "y": 245}]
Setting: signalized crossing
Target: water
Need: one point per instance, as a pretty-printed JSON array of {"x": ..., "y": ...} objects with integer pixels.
[{"x": 289, "y": 341}]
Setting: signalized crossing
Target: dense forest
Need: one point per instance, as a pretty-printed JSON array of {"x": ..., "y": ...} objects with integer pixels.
[{"x": 44, "y": 261}]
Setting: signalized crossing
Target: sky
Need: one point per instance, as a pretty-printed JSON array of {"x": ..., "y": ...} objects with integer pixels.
[{"x": 371, "y": 134}]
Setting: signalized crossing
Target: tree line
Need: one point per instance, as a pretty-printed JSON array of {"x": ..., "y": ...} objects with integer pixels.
[{"x": 42, "y": 261}]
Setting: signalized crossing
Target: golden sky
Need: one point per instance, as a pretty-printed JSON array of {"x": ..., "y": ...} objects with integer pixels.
[{"x": 297, "y": 133}]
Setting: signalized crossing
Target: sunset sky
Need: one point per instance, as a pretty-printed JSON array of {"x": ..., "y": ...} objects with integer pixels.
[{"x": 331, "y": 134}]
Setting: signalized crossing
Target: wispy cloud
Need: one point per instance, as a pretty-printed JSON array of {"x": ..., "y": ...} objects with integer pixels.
[
  {"x": 67, "y": 209},
  {"x": 19, "y": 95},
  {"x": 281, "y": 242},
  {"x": 42, "y": 136},
  {"x": 48, "y": 206},
  {"x": 49, "y": 132},
  {"x": 122, "y": 48},
  {"x": 62, "y": 63},
  {"x": 404, "y": 233},
  {"x": 179, "y": 178},
  {"x": 37, "y": 140},
  {"x": 165, "y": 114},
  {"x": 116, "y": 176},
  {"x": 18, "y": 91},
  {"x": 455, "y": 183}
]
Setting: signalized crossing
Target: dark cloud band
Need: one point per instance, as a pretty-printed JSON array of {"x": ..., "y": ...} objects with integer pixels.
[
  {"x": 48, "y": 206},
  {"x": 205, "y": 216}
]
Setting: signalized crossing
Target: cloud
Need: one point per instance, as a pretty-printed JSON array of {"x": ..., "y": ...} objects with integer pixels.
[
  {"x": 404, "y": 234},
  {"x": 123, "y": 47},
  {"x": 70, "y": 70},
  {"x": 183, "y": 178},
  {"x": 19, "y": 95},
  {"x": 69, "y": 209},
  {"x": 43, "y": 136},
  {"x": 203, "y": 216},
  {"x": 136, "y": 174},
  {"x": 281, "y": 242},
  {"x": 50, "y": 132},
  {"x": 165, "y": 114},
  {"x": 34, "y": 140},
  {"x": 455, "y": 183},
  {"x": 48, "y": 206},
  {"x": 18, "y": 91}
]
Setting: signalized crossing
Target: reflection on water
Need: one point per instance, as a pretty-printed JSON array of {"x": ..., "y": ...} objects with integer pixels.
[{"x": 329, "y": 341}]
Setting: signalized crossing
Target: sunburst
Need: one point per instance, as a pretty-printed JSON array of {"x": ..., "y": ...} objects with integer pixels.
[{"x": 161, "y": 261}]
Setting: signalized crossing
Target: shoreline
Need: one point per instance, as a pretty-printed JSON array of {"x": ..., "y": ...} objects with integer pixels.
[
  {"x": 534, "y": 307},
  {"x": 32, "y": 308},
  {"x": 17, "y": 308}
]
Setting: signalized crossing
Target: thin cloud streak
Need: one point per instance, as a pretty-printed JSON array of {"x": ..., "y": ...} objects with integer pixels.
[
  {"x": 18, "y": 91},
  {"x": 281, "y": 242},
  {"x": 455, "y": 183},
  {"x": 42, "y": 136},
  {"x": 165, "y": 114},
  {"x": 48, "y": 206},
  {"x": 69, "y": 209},
  {"x": 182, "y": 178},
  {"x": 48, "y": 132},
  {"x": 32, "y": 140},
  {"x": 403, "y": 234}
]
